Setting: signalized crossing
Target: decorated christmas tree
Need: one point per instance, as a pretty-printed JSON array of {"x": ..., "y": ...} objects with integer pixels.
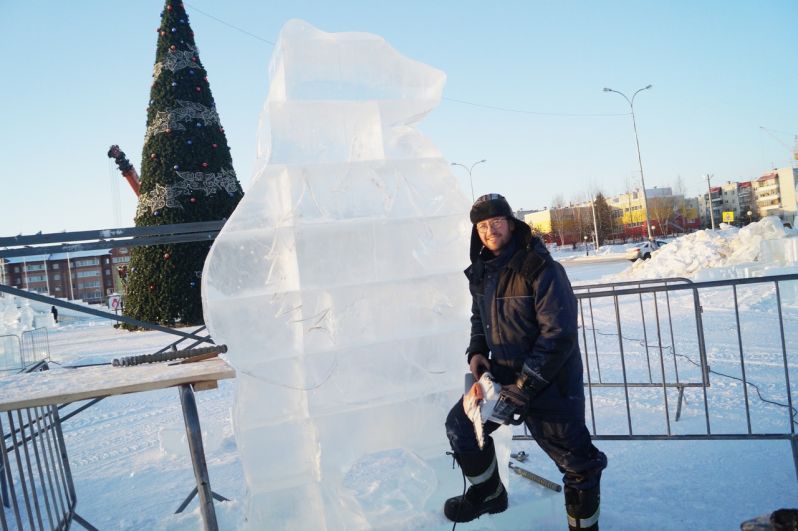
[{"x": 186, "y": 176}]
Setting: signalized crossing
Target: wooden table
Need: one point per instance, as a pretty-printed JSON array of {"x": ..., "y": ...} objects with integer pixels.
[{"x": 48, "y": 388}]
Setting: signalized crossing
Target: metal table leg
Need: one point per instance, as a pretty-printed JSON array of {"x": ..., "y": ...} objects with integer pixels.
[{"x": 194, "y": 435}]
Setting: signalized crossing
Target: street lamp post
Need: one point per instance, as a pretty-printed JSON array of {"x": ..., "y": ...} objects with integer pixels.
[
  {"x": 637, "y": 143},
  {"x": 709, "y": 197},
  {"x": 585, "y": 238},
  {"x": 468, "y": 169},
  {"x": 749, "y": 216}
]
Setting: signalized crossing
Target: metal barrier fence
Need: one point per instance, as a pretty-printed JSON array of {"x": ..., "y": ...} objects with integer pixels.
[
  {"x": 18, "y": 352},
  {"x": 36, "y": 484},
  {"x": 35, "y": 346},
  {"x": 721, "y": 347}
]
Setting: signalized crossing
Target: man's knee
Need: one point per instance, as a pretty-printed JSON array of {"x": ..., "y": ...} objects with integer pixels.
[{"x": 460, "y": 430}]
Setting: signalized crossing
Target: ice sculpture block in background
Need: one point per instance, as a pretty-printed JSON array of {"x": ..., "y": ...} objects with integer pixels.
[{"x": 337, "y": 285}]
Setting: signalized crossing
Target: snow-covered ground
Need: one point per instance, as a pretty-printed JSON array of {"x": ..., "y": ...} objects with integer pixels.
[{"x": 131, "y": 465}]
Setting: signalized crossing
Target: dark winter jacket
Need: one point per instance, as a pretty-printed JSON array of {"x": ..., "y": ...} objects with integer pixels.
[{"x": 524, "y": 312}]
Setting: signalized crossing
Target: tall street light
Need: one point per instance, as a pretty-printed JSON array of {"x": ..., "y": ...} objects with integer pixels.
[
  {"x": 637, "y": 143},
  {"x": 468, "y": 169}
]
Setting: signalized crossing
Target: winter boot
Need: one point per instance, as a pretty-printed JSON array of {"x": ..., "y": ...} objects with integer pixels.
[
  {"x": 582, "y": 507},
  {"x": 486, "y": 493}
]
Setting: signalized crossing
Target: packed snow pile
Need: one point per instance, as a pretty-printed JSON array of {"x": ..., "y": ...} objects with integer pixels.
[
  {"x": 14, "y": 320},
  {"x": 337, "y": 285},
  {"x": 730, "y": 252}
]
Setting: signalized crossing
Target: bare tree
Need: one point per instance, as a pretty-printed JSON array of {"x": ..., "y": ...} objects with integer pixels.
[
  {"x": 557, "y": 213},
  {"x": 660, "y": 211}
]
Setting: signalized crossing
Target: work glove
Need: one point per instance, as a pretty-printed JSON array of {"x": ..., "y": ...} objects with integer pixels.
[
  {"x": 512, "y": 401},
  {"x": 530, "y": 381}
]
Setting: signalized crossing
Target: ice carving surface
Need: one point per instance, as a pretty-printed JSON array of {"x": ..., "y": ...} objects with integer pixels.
[{"x": 337, "y": 285}]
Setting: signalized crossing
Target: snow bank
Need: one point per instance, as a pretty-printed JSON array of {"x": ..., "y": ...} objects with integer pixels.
[{"x": 761, "y": 248}]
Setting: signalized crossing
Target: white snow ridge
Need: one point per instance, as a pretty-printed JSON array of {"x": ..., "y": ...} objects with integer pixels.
[{"x": 764, "y": 247}]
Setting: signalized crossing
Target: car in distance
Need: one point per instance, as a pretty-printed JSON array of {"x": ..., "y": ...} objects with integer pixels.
[{"x": 643, "y": 250}]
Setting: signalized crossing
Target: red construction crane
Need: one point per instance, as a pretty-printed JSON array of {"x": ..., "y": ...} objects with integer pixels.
[{"x": 127, "y": 169}]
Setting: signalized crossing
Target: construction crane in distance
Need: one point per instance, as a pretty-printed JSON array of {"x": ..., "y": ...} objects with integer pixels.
[
  {"x": 127, "y": 169},
  {"x": 793, "y": 149}
]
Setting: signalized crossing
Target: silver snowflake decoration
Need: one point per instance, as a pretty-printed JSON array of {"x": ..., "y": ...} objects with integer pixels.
[
  {"x": 176, "y": 60},
  {"x": 189, "y": 182},
  {"x": 174, "y": 119},
  {"x": 210, "y": 183}
]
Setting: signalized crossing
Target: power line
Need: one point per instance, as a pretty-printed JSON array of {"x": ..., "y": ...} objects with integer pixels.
[
  {"x": 217, "y": 19},
  {"x": 482, "y": 105}
]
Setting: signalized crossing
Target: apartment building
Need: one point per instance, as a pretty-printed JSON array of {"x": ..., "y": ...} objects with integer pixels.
[
  {"x": 87, "y": 275},
  {"x": 774, "y": 194}
]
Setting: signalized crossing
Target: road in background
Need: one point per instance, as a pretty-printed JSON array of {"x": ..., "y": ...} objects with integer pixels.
[{"x": 593, "y": 272}]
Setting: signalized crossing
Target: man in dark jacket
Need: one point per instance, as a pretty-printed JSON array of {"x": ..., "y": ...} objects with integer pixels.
[{"x": 524, "y": 331}]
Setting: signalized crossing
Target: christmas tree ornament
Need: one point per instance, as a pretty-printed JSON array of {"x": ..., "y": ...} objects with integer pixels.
[
  {"x": 198, "y": 89},
  {"x": 214, "y": 146},
  {"x": 151, "y": 287},
  {"x": 176, "y": 167},
  {"x": 192, "y": 199},
  {"x": 166, "y": 256},
  {"x": 204, "y": 164},
  {"x": 188, "y": 142},
  {"x": 173, "y": 47}
]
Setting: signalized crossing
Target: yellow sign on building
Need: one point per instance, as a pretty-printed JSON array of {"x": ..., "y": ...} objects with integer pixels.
[{"x": 728, "y": 217}]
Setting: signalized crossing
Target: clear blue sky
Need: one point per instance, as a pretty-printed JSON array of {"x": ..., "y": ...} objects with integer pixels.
[{"x": 76, "y": 78}]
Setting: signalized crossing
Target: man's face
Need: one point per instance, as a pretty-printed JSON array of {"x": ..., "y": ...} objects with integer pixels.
[{"x": 495, "y": 233}]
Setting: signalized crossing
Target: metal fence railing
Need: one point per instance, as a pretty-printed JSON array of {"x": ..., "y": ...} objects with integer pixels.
[
  {"x": 35, "y": 346},
  {"x": 36, "y": 482},
  {"x": 683, "y": 360},
  {"x": 19, "y": 352}
]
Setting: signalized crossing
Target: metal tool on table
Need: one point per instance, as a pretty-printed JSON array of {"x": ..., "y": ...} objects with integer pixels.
[{"x": 187, "y": 355}]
